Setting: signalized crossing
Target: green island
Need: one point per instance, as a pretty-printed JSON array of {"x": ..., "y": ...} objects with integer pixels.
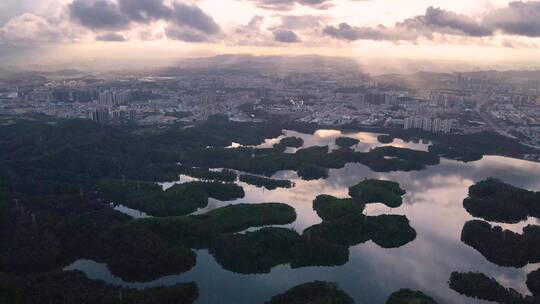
[
  {"x": 469, "y": 147},
  {"x": 385, "y": 139},
  {"x": 255, "y": 252},
  {"x": 321, "y": 292},
  {"x": 310, "y": 163},
  {"x": 345, "y": 225},
  {"x": 223, "y": 175},
  {"x": 389, "y": 158},
  {"x": 67, "y": 287},
  {"x": 268, "y": 183},
  {"x": 387, "y": 231},
  {"x": 316, "y": 292},
  {"x": 198, "y": 231},
  {"x": 493, "y": 200},
  {"x": 346, "y": 142},
  {"x": 259, "y": 251},
  {"x": 408, "y": 296},
  {"x": 503, "y": 247},
  {"x": 292, "y": 142},
  {"x": 479, "y": 286},
  {"x": 378, "y": 191},
  {"x": 325, "y": 244},
  {"x": 135, "y": 250},
  {"x": 312, "y": 172},
  {"x": 179, "y": 199},
  {"x": 330, "y": 208},
  {"x": 460, "y": 147},
  {"x": 533, "y": 282}
]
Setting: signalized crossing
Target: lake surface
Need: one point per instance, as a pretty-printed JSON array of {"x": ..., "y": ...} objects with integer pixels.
[{"x": 433, "y": 204}]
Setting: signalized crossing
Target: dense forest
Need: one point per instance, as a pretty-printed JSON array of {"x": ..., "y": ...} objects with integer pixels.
[{"x": 58, "y": 178}]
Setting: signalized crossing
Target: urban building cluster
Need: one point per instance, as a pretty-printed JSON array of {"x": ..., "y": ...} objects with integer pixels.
[
  {"x": 441, "y": 103},
  {"x": 427, "y": 124}
]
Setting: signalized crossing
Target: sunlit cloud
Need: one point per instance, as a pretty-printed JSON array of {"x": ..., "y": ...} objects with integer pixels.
[{"x": 340, "y": 27}]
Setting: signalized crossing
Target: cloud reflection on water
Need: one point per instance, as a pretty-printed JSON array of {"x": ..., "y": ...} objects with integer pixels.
[{"x": 433, "y": 204}]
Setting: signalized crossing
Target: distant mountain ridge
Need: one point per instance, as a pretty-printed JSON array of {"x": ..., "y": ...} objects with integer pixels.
[{"x": 284, "y": 63}]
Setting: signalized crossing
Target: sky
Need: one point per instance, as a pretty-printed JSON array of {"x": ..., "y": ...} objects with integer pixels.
[{"x": 489, "y": 32}]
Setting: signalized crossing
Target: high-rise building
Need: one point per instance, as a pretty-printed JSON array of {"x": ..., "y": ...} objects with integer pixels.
[
  {"x": 408, "y": 123},
  {"x": 101, "y": 116},
  {"x": 447, "y": 126},
  {"x": 426, "y": 124},
  {"x": 437, "y": 125},
  {"x": 114, "y": 97},
  {"x": 418, "y": 122}
]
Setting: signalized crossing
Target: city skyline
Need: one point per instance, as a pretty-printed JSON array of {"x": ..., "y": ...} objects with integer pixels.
[{"x": 490, "y": 33}]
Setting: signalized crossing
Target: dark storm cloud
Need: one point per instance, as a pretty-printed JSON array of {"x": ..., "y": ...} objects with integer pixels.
[
  {"x": 106, "y": 14},
  {"x": 519, "y": 18},
  {"x": 98, "y": 14},
  {"x": 110, "y": 37},
  {"x": 286, "y": 36}
]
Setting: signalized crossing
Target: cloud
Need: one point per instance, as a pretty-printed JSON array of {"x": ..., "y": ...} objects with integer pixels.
[
  {"x": 192, "y": 16},
  {"x": 98, "y": 14},
  {"x": 29, "y": 29},
  {"x": 186, "y": 35},
  {"x": 111, "y": 37},
  {"x": 252, "y": 34},
  {"x": 435, "y": 20},
  {"x": 346, "y": 32},
  {"x": 295, "y": 22},
  {"x": 144, "y": 10},
  {"x": 518, "y": 18},
  {"x": 13, "y": 8},
  {"x": 443, "y": 21},
  {"x": 186, "y": 22},
  {"x": 286, "y": 36},
  {"x": 285, "y": 5}
]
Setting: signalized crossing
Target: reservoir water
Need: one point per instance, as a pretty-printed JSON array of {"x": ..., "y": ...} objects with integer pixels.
[{"x": 433, "y": 204}]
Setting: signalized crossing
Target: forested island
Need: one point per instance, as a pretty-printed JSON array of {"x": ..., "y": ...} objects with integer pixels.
[
  {"x": 385, "y": 139},
  {"x": 378, "y": 191},
  {"x": 478, "y": 285},
  {"x": 346, "y": 142},
  {"x": 71, "y": 287},
  {"x": 223, "y": 175},
  {"x": 331, "y": 208},
  {"x": 324, "y": 244},
  {"x": 179, "y": 199},
  {"x": 344, "y": 223},
  {"x": 503, "y": 247},
  {"x": 292, "y": 142},
  {"x": 494, "y": 200},
  {"x": 408, "y": 296},
  {"x": 268, "y": 183},
  {"x": 319, "y": 292},
  {"x": 316, "y": 292}
]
